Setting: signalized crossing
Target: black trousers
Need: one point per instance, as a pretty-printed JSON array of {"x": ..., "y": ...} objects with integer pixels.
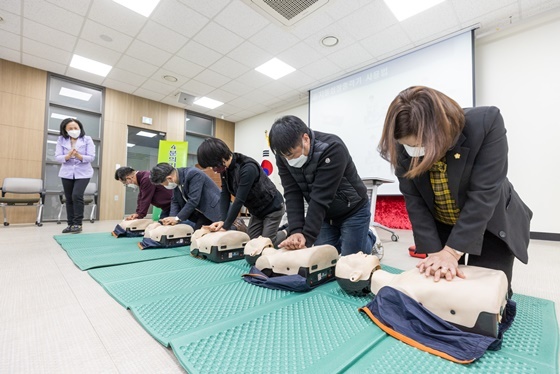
[
  {"x": 74, "y": 192},
  {"x": 495, "y": 253}
]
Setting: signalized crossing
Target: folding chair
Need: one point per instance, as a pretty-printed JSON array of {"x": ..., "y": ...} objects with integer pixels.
[
  {"x": 26, "y": 186},
  {"x": 90, "y": 199}
]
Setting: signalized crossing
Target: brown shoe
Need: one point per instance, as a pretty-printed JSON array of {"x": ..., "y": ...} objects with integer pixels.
[{"x": 240, "y": 225}]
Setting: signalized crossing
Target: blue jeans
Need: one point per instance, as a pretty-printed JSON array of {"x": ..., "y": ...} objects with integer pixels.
[{"x": 350, "y": 235}]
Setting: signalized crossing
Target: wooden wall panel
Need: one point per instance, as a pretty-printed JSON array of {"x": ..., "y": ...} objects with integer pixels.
[
  {"x": 22, "y": 122},
  {"x": 225, "y": 130}
]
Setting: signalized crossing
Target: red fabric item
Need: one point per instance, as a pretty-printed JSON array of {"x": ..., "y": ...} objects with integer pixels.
[{"x": 391, "y": 211}]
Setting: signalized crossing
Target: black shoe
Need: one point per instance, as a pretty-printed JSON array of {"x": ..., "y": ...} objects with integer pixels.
[
  {"x": 67, "y": 230},
  {"x": 75, "y": 229}
]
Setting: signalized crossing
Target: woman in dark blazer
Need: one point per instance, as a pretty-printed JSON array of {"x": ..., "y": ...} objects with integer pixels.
[{"x": 452, "y": 168}]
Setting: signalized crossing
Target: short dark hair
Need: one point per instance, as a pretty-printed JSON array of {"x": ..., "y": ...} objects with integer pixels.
[
  {"x": 160, "y": 172},
  {"x": 123, "y": 172},
  {"x": 286, "y": 134},
  {"x": 212, "y": 152},
  {"x": 66, "y": 121}
]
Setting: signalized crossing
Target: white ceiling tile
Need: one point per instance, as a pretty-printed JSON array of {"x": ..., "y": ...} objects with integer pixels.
[
  {"x": 242, "y": 102},
  {"x": 212, "y": 78},
  {"x": 197, "y": 88},
  {"x": 242, "y": 115},
  {"x": 148, "y": 94},
  {"x": 258, "y": 96},
  {"x": 119, "y": 86},
  {"x": 161, "y": 73},
  {"x": 159, "y": 87},
  {"x": 321, "y": 68},
  {"x": 179, "y": 18},
  {"x": 386, "y": 41},
  {"x": 92, "y": 31},
  {"x": 297, "y": 79},
  {"x": 431, "y": 22},
  {"x": 183, "y": 67},
  {"x": 341, "y": 8},
  {"x": 198, "y": 54},
  {"x": 10, "y": 54},
  {"x": 368, "y": 20},
  {"x": 276, "y": 88},
  {"x": 84, "y": 76},
  {"x": 11, "y": 23},
  {"x": 498, "y": 19},
  {"x": 48, "y": 35},
  {"x": 116, "y": 16},
  {"x": 43, "y": 64},
  {"x": 136, "y": 66},
  {"x": 126, "y": 77},
  {"x": 147, "y": 53},
  {"x": 311, "y": 26},
  {"x": 50, "y": 53},
  {"x": 76, "y": 6},
  {"x": 162, "y": 37},
  {"x": 208, "y": 8},
  {"x": 250, "y": 55},
  {"x": 12, "y": 6},
  {"x": 530, "y": 8},
  {"x": 229, "y": 68},
  {"x": 96, "y": 52},
  {"x": 468, "y": 10},
  {"x": 237, "y": 87},
  {"x": 58, "y": 18},
  {"x": 241, "y": 19},
  {"x": 299, "y": 55},
  {"x": 10, "y": 40},
  {"x": 274, "y": 39},
  {"x": 221, "y": 95},
  {"x": 228, "y": 109},
  {"x": 350, "y": 56},
  {"x": 252, "y": 79},
  {"x": 218, "y": 38}
]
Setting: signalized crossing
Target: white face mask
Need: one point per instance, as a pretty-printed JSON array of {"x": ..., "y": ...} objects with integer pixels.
[
  {"x": 132, "y": 186},
  {"x": 171, "y": 186},
  {"x": 414, "y": 151},
  {"x": 74, "y": 133},
  {"x": 297, "y": 162}
]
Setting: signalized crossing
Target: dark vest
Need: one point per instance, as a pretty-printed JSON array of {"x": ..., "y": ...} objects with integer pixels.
[
  {"x": 351, "y": 192},
  {"x": 262, "y": 191}
]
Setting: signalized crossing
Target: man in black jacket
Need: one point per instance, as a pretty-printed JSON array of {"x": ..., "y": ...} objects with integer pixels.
[
  {"x": 317, "y": 167},
  {"x": 243, "y": 178}
]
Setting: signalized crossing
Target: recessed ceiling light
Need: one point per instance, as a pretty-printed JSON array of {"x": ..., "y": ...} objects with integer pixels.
[
  {"x": 146, "y": 134},
  {"x": 91, "y": 66},
  {"x": 143, "y": 7},
  {"x": 130, "y": 145},
  {"x": 207, "y": 102},
  {"x": 68, "y": 92},
  {"x": 403, "y": 9},
  {"x": 329, "y": 41},
  {"x": 275, "y": 68},
  {"x": 170, "y": 78},
  {"x": 106, "y": 38}
]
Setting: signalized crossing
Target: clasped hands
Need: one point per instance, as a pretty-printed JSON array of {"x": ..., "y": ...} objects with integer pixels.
[
  {"x": 73, "y": 153},
  {"x": 442, "y": 264}
]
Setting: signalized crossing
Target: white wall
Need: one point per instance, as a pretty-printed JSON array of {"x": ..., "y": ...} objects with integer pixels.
[
  {"x": 250, "y": 134},
  {"x": 517, "y": 70}
]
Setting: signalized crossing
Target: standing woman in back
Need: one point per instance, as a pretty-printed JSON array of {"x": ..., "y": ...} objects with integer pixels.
[{"x": 75, "y": 151}]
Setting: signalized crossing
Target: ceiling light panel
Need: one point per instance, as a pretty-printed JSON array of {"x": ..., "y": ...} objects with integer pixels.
[
  {"x": 275, "y": 68},
  {"x": 89, "y": 65},
  {"x": 403, "y": 9},
  {"x": 143, "y": 7}
]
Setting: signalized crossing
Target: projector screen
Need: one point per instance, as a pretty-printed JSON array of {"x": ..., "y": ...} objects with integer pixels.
[{"x": 354, "y": 107}]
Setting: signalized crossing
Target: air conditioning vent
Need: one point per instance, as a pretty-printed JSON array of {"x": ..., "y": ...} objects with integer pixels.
[{"x": 286, "y": 12}]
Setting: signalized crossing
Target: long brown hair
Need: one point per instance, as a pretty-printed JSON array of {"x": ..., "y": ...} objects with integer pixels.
[{"x": 432, "y": 117}]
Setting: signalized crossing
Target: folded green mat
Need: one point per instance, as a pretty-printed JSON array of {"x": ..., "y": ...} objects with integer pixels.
[
  {"x": 216, "y": 322},
  {"x": 94, "y": 250}
]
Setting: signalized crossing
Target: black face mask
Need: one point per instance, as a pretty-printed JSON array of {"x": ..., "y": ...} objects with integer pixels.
[{"x": 219, "y": 169}]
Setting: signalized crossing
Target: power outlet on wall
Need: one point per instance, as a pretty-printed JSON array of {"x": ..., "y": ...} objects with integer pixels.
[{"x": 116, "y": 197}]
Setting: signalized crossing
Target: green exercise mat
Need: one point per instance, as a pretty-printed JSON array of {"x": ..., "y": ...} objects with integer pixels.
[
  {"x": 216, "y": 322},
  {"x": 95, "y": 250}
]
